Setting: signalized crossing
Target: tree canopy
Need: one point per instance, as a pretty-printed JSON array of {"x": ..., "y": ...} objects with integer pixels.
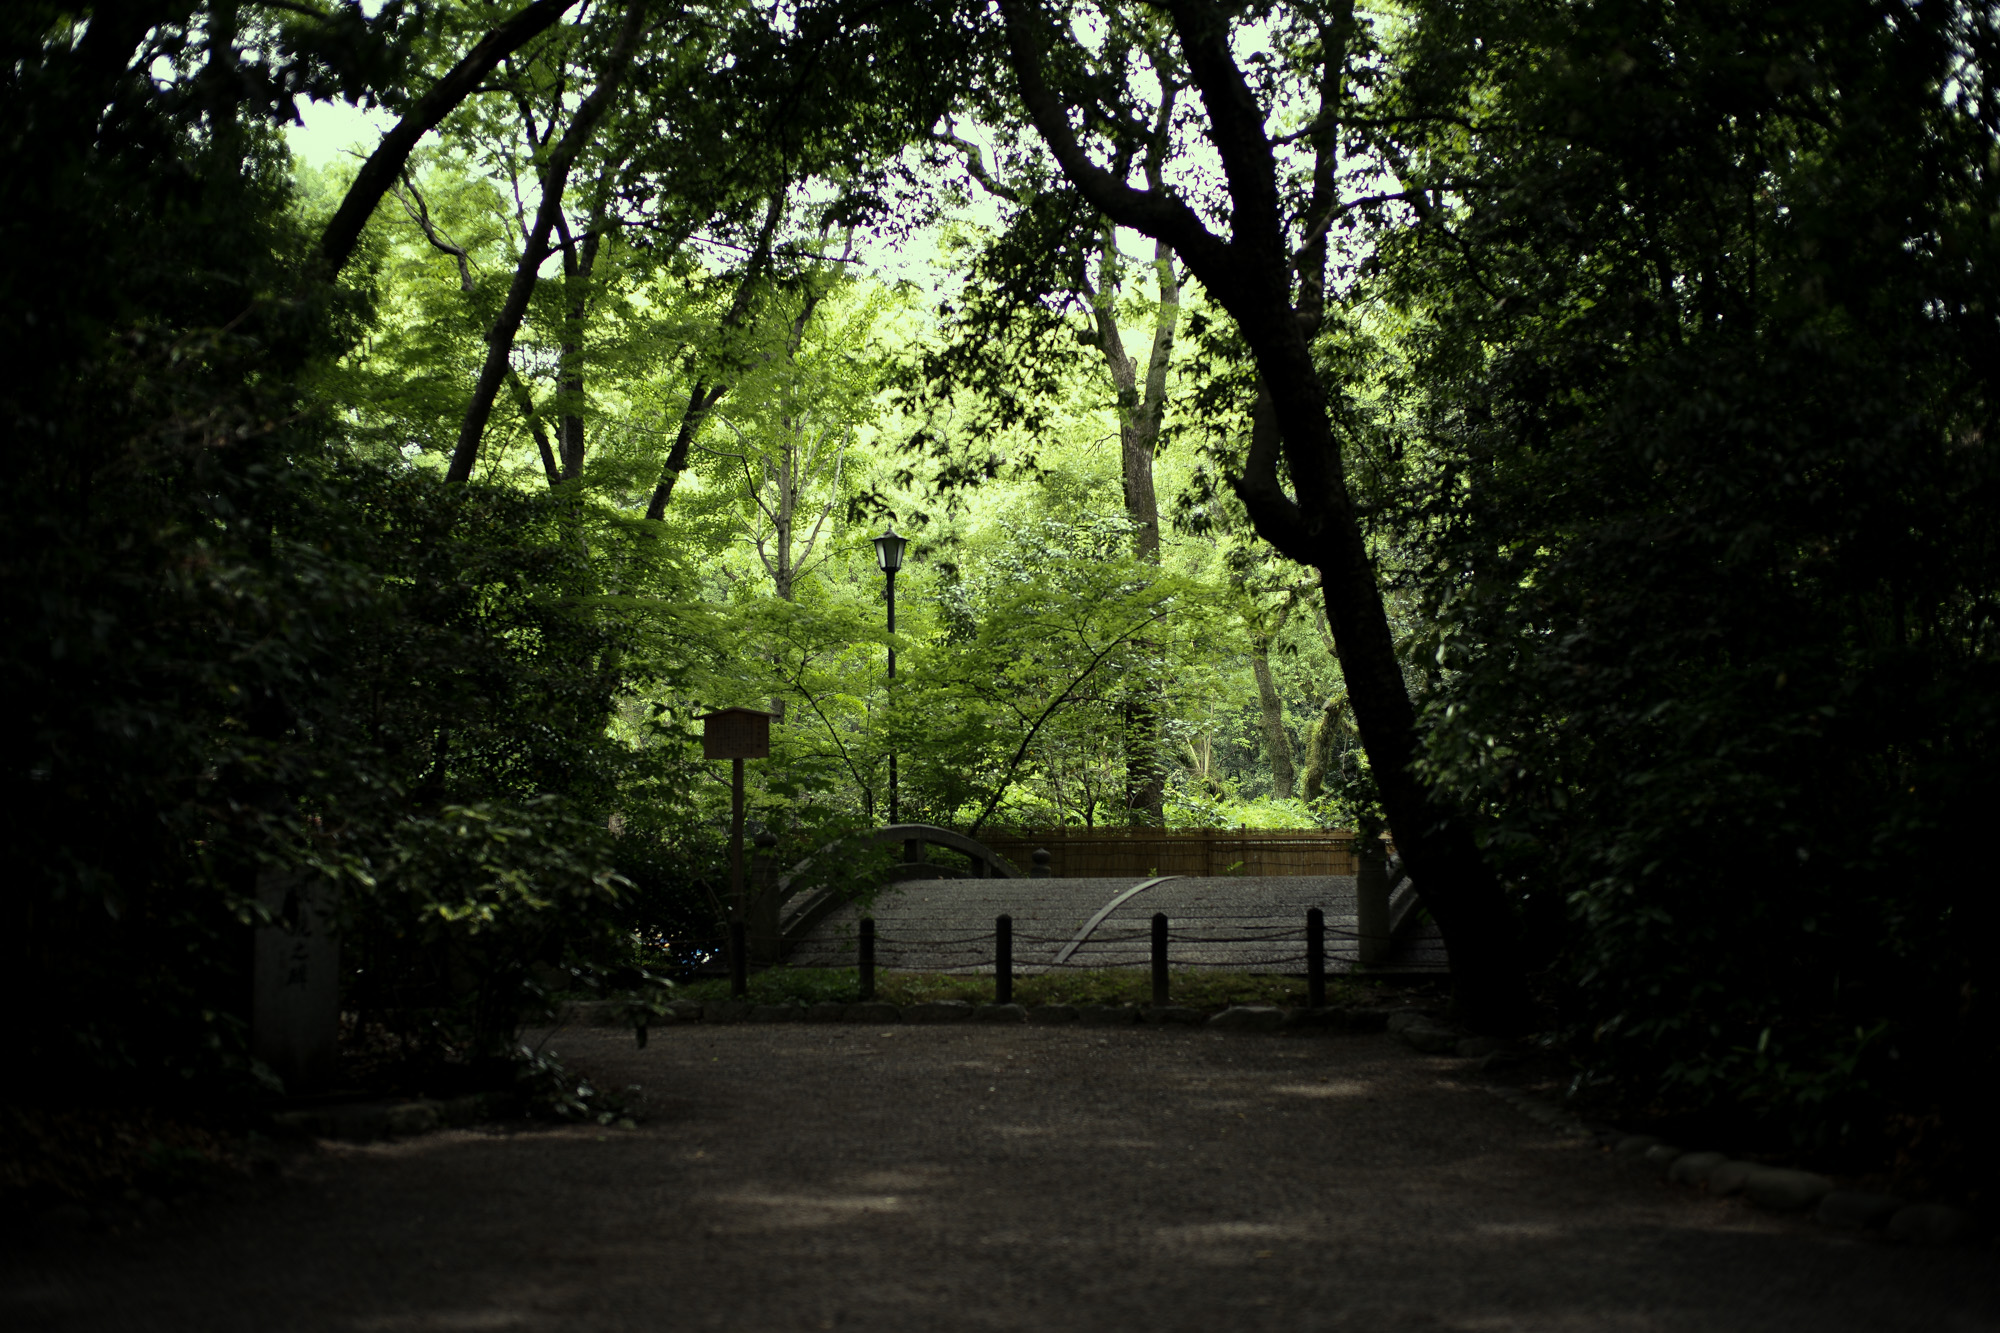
[{"x": 1552, "y": 432}]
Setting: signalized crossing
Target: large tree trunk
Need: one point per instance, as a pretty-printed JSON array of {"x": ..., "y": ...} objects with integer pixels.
[
  {"x": 1283, "y": 774},
  {"x": 1142, "y": 405},
  {"x": 579, "y": 265},
  {"x": 1250, "y": 276},
  {"x": 1322, "y": 747}
]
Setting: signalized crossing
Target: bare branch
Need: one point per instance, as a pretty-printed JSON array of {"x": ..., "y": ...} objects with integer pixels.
[
  {"x": 975, "y": 166},
  {"x": 421, "y": 215}
]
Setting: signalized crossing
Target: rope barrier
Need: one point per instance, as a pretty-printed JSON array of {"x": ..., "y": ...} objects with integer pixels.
[{"x": 1234, "y": 938}]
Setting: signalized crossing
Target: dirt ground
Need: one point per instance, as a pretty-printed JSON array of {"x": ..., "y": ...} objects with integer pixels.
[{"x": 971, "y": 1178}]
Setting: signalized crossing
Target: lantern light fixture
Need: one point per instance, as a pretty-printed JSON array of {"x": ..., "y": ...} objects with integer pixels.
[{"x": 889, "y": 550}]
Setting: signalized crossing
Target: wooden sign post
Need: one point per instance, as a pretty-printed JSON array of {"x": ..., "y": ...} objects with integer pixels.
[{"x": 736, "y": 734}]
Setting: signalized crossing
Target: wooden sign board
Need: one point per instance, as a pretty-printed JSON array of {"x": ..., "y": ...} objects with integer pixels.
[{"x": 736, "y": 733}]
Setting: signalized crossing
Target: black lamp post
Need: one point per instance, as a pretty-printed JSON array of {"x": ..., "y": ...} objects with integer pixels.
[{"x": 889, "y": 555}]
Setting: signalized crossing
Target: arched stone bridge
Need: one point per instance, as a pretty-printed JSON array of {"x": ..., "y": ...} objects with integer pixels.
[{"x": 938, "y": 916}]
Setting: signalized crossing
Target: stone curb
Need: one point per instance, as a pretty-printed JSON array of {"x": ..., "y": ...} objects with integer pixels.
[
  {"x": 1777, "y": 1189},
  {"x": 1237, "y": 1018},
  {"x": 368, "y": 1122}
]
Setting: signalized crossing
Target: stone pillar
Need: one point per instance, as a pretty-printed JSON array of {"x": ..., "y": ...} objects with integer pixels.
[
  {"x": 1371, "y": 901},
  {"x": 295, "y": 999}
]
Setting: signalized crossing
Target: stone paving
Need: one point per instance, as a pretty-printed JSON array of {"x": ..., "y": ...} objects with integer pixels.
[{"x": 1246, "y": 923}]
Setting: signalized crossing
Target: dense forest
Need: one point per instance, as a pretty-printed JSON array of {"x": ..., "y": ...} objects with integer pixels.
[{"x": 1557, "y": 433}]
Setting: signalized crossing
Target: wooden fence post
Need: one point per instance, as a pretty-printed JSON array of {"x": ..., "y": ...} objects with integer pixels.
[
  {"x": 1160, "y": 960},
  {"x": 1315, "y": 958},
  {"x": 1003, "y": 959},
  {"x": 867, "y": 958}
]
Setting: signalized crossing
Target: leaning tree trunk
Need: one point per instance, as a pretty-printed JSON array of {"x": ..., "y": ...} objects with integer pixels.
[{"x": 1251, "y": 276}]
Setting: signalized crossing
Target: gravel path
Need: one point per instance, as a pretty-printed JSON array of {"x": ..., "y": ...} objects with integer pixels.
[{"x": 964, "y": 1178}]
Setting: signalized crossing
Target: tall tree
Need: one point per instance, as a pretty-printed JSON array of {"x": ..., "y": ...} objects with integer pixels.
[
  {"x": 1087, "y": 267},
  {"x": 535, "y": 247},
  {"x": 1269, "y": 274},
  {"x": 1693, "y": 458}
]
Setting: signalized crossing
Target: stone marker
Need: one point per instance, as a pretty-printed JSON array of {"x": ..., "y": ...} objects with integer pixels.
[
  {"x": 776, "y": 1013},
  {"x": 1784, "y": 1190},
  {"x": 1098, "y": 1015},
  {"x": 1000, "y": 1013},
  {"x": 295, "y": 981},
  {"x": 1729, "y": 1176},
  {"x": 873, "y": 1011},
  {"x": 725, "y": 1011},
  {"x": 1856, "y": 1210},
  {"x": 1171, "y": 1013},
  {"x": 1634, "y": 1145},
  {"x": 1249, "y": 1018},
  {"x": 1662, "y": 1155},
  {"x": 826, "y": 1011},
  {"x": 1053, "y": 1013}
]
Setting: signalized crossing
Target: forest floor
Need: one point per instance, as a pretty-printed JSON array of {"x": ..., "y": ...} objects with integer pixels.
[{"x": 957, "y": 1177}]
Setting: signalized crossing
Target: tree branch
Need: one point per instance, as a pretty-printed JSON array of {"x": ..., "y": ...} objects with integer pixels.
[
  {"x": 705, "y": 395},
  {"x": 385, "y": 164},
  {"x": 1276, "y": 515},
  {"x": 500, "y": 342},
  {"x": 975, "y": 166},
  {"x": 1021, "y": 751},
  {"x": 421, "y": 215},
  {"x": 1157, "y": 213}
]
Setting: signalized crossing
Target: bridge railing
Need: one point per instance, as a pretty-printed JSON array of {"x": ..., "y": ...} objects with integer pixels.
[
  {"x": 1306, "y": 946},
  {"x": 1088, "y": 853}
]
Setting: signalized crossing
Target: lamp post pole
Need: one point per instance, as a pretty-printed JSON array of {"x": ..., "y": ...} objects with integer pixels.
[
  {"x": 892, "y": 687},
  {"x": 889, "y": 555}
]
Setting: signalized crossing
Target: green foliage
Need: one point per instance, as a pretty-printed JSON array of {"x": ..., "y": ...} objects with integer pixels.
[
  {"x": 1666, "y": 343},
  {"x": 1691, "y": 452},
  {"x": 242, "y": 648},
  {"x": 548, "y": 1089}
]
